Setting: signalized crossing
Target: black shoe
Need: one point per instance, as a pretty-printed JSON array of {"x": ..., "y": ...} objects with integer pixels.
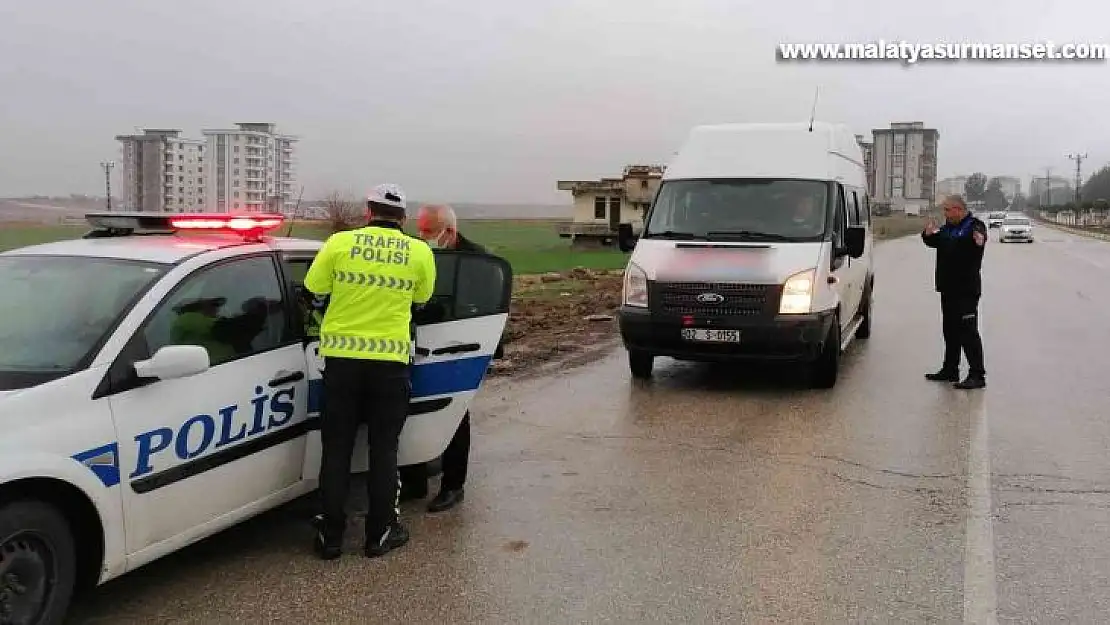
[
  {"x": 971, "y": 382},
  {"x": 409, "y": 493},
  {"x": 446, "y": 499},
  {"x": 396, "y": 536},
  {"x": 327, "y": 550},
  {"x": 944, "y": 375}
]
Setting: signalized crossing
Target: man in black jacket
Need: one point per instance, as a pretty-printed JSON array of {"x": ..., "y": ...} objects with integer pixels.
[
  {"x": 438, "y": 226},
  {"x": 960, "y": 244}
]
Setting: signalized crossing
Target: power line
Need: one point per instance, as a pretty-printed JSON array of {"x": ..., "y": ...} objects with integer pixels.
[{"x": 108, "y": 165}]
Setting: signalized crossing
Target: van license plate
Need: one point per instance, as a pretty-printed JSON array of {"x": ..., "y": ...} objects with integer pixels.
[{"x": 711, "y": 336}]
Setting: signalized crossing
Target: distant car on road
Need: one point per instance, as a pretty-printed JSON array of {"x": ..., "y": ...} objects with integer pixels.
[
  {"x": 1016, "y": 228},
  {"x": 995, "y": 219}
]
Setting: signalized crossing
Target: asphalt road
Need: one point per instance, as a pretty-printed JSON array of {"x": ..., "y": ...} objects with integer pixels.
[{"x": 713, "y": 495}]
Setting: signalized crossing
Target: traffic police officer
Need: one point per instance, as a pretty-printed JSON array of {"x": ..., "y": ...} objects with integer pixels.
[
  {"x": 373, "y": 276},
  {"x": 960, "y": 244}
]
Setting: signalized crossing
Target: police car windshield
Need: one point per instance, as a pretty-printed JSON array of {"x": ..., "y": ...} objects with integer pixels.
[
  {"x": 756, "y": 209},
  {"x": 56, "y": 310},
  {"x": 1015, "y": 221}
]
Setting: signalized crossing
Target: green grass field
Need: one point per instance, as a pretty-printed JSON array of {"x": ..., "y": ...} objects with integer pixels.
[{"x": 531, "y": 246}]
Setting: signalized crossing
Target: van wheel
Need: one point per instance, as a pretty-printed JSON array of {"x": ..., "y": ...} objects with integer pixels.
[
  {"x": 864, "y": 329},
  {"x": 38, "y": 564},
  {"x": 826, "y": 368},
  {"x": 640, "y": 364}
]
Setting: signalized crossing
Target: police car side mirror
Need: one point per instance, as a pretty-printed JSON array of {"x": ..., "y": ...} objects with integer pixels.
[{"x": 174, "y": 361}]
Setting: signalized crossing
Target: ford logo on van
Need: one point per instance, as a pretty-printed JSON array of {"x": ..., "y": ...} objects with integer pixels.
[{"x": 710, "y": 298}]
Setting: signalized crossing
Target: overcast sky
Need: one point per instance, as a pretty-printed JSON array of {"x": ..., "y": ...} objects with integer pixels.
[{"x": 496, "y": 100}]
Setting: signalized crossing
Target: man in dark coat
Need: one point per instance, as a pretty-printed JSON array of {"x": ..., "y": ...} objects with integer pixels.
[{"x": 960, "y": 244}]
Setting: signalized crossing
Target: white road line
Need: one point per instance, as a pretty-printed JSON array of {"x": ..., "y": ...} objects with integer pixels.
[{"x": 980, "y": 605}]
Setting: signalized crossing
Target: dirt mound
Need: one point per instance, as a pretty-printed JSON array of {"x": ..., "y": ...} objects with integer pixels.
[{"x": 559, "y": 314}]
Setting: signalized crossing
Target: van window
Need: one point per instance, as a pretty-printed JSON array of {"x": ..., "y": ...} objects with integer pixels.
[
  {"x": 853, "y": 210},
  {"x": 840, "y": 218},
  {"x": 751, "y": 209}
]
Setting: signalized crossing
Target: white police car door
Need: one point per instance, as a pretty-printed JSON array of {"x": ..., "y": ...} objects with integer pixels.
[
  {"x": 457, "y": 334},
  {"x": 229, "y": 439}
]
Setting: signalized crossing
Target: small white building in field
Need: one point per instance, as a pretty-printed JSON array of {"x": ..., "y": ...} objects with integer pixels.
[{"x": 600, "y": 206}]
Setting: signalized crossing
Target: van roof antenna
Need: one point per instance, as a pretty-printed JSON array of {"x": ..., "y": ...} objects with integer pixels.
[{"x": 813, "y": 113}]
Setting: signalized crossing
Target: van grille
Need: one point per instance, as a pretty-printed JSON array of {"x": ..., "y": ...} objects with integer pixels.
[{"x": 739, "y": 300}]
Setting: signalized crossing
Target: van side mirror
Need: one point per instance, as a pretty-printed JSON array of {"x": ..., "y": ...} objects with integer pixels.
[
  {"x": 174, "y": 361},
  {"x": 626, "y": 238},
  {"x": 855, "y": 240}
]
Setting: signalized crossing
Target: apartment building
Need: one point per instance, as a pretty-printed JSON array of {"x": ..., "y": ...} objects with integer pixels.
[
  {"x": 1011, "y": 186},
  {"x": 253, "y": 168},
  {"x": 162, "y": 172},
  {"x": 905, "y": 164},
  {"x": 1058, "y": 187},
  {"x": 951, "y": 186}
]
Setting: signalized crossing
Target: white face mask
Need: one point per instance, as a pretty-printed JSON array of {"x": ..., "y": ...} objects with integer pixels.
[{"x": 437, "y": 242}]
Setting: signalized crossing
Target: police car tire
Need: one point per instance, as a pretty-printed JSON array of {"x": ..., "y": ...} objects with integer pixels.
[
  {"x": 22, "y": 524},
  {"x": 826, "y": 368}
]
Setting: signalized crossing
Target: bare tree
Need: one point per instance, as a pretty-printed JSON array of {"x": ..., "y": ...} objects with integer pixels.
[{"x": 343, "y": 212}]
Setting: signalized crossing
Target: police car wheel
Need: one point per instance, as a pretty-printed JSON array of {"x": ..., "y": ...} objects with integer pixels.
[{"x": 38, "y": 563}]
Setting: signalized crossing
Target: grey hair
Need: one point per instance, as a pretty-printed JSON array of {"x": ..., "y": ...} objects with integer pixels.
[
  {"x": 957, "y": 199},
  {"x": 445, "y": 213}
]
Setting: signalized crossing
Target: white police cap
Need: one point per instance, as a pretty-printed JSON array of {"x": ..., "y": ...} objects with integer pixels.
[{"x": 388, "y": 194}]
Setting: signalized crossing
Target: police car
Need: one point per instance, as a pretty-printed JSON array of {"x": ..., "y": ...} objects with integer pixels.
[{"x": 158, "y": 384}]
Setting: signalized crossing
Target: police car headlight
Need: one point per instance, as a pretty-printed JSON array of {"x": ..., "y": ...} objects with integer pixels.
[
  {"x": 797, "y": 293},
  {"x": 635, "y": 287}
]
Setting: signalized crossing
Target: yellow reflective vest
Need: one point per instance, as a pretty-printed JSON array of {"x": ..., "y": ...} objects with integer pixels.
[{"x": 373, "y": 276}]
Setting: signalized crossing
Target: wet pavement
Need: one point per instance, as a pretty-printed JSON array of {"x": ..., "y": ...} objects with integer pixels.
[{"x": 719, "y": 494}]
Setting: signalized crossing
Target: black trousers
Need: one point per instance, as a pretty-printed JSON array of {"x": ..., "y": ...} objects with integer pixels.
[
  {"x": 455, "y": 459},
  {"x": 960, "y": 320},
  {"x": 375, "y": 393}
]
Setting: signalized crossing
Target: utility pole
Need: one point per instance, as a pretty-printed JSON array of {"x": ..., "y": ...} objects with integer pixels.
[
  {"x": 108, "y": 165},
  {"x": 1078, "y": 158},
  {"x": 1048, "y": 186}
]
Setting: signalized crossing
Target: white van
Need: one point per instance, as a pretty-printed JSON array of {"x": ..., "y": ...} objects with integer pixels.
[{"x": 758, "y": 245}]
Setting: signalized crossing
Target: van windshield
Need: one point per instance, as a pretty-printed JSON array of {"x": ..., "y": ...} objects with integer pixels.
[{"x": 739, "y": 209}]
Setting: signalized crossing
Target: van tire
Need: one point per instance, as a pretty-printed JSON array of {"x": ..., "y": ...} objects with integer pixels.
[
  {"x": 640, "y": 364},
  {"x": 824, "y": 370},
  {"x": 864, "y": 329},
  {"x": 38, "y": 554}
]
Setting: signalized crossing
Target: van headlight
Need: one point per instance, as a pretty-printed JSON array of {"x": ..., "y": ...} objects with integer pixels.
[
  {"x": 635, "y": 287},
  {"x": 797, "y": 293}
]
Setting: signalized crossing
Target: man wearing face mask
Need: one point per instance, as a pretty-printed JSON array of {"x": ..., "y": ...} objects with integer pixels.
[{"x": 437, "y": 225}]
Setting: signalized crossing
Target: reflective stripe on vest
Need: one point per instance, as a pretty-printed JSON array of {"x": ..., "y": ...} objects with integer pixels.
[
  {"x": 364, "y": 345},
  {"x": 373, "y": 280}
]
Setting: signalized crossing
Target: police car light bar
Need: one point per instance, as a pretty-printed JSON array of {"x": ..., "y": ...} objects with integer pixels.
[
  {"x": 125, "y": 224},
  {"x": 244, "y": 224}
]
